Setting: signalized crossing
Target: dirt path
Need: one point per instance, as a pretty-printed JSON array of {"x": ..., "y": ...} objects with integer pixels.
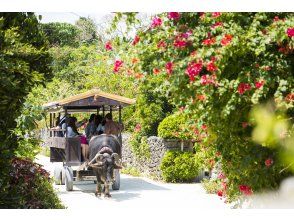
[{"x": 137, "y": 192}]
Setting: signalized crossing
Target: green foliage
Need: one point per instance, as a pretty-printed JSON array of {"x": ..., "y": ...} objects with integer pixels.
[
  {"x": 131, "y": 171},
  {"x": 177, "y": 166},
  {"x": 170, "y": 127},
  {"x": 140, "y": 146},
  {"x": 61, "y": 34},
  {"x": 152, "y": 105},
  {"x": 211, "y": 186},
  {"x": 24, "y": 63}
]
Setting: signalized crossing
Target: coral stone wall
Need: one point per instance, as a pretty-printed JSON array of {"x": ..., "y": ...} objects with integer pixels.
[{"x": 157, "y": 146}]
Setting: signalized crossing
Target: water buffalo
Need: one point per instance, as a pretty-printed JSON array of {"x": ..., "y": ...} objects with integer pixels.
[{"x": 104, "y": 159}]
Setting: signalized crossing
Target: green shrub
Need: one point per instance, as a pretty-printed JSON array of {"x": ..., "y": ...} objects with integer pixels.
[
  {"x": 170, "y": 127},
  {"x": 30, "y": 187},
  {"x": 177, "y": 166},
  {"x": 139, "y": 146}
]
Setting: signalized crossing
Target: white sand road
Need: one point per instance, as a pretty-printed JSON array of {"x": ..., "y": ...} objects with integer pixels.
[{"x": 136, "y": 192}]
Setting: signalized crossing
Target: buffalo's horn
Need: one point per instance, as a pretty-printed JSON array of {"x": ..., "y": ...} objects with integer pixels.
[
  {"x": 116, "y": 161},
  {"x": 99, "y": 158}
]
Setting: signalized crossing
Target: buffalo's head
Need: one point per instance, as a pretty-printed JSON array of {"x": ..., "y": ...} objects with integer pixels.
[{"x": 107, "y": 163}]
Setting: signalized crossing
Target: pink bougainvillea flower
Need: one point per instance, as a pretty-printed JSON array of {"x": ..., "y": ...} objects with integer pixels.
[
  {"x": 269, "y": 162},
  {"x": 169, "y": 68},
  {"x": 246, "y": 190},
  {"x": 220, "y": 193},
  {"x": 180, "y": 43},
  {"x": 224, "y": 185},
  {"x": 161, "y": 44},
  {"x": 259, "y": 84},
  {"x": 208, "y": 41},
  {"x": 221, "y": 176},
  {"x": 290, "y": 32},
  {"x": 156, "y": 22},
  {"x": 174, "y": 15},
  {"x": 276, "y": 18},
  {"x": 226, "y": 39},
  {"x": 216, "y": 24},
  {"x": 117, "y": 65},
  {"x": 208, "y": 80},
  {"x": 202, "y": 15},
  {"x": 108, "y": 46},
  {"x": 211, "y": 67},
  {"x": 216, "y": 14},
  {"x": 136, "y": 40},
  {"x": 186, "y": 34},
  {"x": 193, "y": 70},
  {"x": 243, "y": 87},
  {"x": 138, "y": 128}
]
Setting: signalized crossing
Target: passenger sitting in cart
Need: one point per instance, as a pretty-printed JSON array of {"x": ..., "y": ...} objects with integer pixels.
[
  {"x": 100, "y": 125},
  {"x": 112, "y": 127},
  {"x": 72, "y": 131},
  {"x": 91, "y": 127}
]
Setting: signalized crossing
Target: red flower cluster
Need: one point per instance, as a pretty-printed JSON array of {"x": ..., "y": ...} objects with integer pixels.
[
  {"x": 117, "y": 65},
  {"x": 161, "y": 44},
  {"x": 269, "y": 162},
  {"x": 220, "y": 193},
  {"x": 226, "y": 39},
  {"x": 136, "y": 40},
  {"x": 193, "y": 70},
  {"x": 246, "y": 190},
  {"x": 180, "y": 43},
  {"x": 217, "y": 24},
  {"x": 156, "y": 71},
  {"x": 208, "y": 41},
  {"x": 243, "y": 87},
  {"x": 211, "y": 67},
  {"x": 259, "y": 84},
  {"x": 290, "y": 32},
  {"x": 108, "y": 46},
  {"x": 216, "y": 14},
  {"x": 156, "y": 22},
  {"x": 290, "y": 97},
  {"x": 174, "y": 15},
  {"x": 208, "y": 80},
  {"x": 169, "y": 68}
]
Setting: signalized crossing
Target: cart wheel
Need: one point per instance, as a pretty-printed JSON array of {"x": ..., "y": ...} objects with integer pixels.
[
  {"x": 62, "y": 176},
  {"x": 68, "y": 178},
  {"x": 58, "y": 175},
  {"x": 116, "y": 184}
]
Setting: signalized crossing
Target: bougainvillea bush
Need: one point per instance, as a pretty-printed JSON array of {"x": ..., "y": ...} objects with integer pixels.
[
  {"x": 30, "y": 187},
  {"x": 217, "y": 66}
]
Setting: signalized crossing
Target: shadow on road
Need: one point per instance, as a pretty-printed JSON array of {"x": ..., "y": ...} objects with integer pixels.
[{"x": 130, "y": 188}]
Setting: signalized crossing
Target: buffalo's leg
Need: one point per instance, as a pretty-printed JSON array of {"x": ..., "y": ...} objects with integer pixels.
[
  {"x": 106, "y": 193},
  {"x": 98, "y": 185}
]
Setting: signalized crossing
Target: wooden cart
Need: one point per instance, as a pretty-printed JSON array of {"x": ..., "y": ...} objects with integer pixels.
[{"x": 68, "y": 150}]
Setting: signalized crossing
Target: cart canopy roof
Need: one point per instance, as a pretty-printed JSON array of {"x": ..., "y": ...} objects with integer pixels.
[{"x": 88, "y": 101}]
